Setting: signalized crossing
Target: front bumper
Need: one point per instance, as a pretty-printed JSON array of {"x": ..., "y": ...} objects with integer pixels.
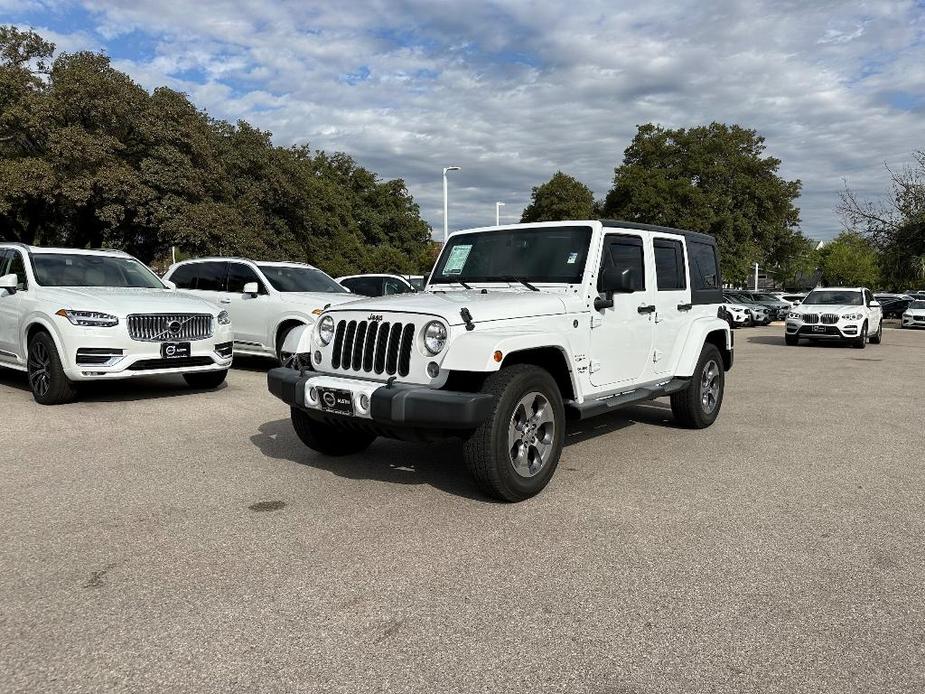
[
  {"x": 84, "y": 351},
  {"x": 398, "y": 405},
  {"x": 913, "y": 321},
  {"x": 841, "y": 331}
]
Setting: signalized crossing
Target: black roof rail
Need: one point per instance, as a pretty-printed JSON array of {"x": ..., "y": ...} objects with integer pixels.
[{"x": 695, "y": 235}]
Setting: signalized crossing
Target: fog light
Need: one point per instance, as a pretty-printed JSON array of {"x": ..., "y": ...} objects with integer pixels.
[
  {"x": 433, "y": 369},
  {"x": 313, "y": 394},
  {"x": 317, "y": 356},
  {"x": 364, "y": 401}
]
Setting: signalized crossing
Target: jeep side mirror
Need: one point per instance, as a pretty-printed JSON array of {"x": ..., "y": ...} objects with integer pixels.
[
  {"x": 251, "y": 288},
  {"x": 615, "y": 281},
  {"x": 9, "y": 282}
]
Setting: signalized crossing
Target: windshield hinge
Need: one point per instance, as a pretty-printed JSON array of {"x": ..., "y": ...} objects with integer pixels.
[
  {"x": 597, "y": 320},
  {"x": 594, "y": 366}
]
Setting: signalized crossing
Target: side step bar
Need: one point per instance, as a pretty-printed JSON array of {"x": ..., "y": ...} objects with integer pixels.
[{"x": 592, "y": 408}]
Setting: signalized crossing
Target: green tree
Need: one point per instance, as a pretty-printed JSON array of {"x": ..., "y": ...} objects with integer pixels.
[
  {"x": 895, "y": 225},
  {"x": 714, "y": 179},
  {"x": 88, "y": 158},
  {"x": 849, "y": 260},
  {"x": 561, "y": 197}
]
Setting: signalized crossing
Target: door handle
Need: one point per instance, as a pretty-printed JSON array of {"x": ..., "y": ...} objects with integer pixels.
[
  {"x": 224, "y": 301},
  {"x": 685, "y": 307},
  {"x": 646, "y": 309}
]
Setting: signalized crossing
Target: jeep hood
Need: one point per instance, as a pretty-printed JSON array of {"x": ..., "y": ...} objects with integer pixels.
[
  {"x": 123, "y": 301},
  {"x": 492, "y": 306}
]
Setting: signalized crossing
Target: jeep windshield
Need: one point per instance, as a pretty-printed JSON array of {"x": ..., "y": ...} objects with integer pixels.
[
  {"x": 543, "y": 254},
  {"x": 86, "y": 270},
  {"x": 834, "y": 298},
  {"x": 300, "y": 279}
]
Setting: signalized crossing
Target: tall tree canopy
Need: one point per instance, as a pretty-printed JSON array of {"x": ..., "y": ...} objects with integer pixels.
[
  {"x": 896, "y": 226},
  {"x": 714, "y": 179},
  {"x": 88, "y": 158},
  {"x": 561, "y": 197},
  {"x": 849, "y": 260}
]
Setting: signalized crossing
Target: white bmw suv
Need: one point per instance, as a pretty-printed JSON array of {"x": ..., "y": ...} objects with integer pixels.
[
  {"x": 849, "y": 314},
  {"x": 266, "y": 301},
  {"x": 76, "y": 315}
]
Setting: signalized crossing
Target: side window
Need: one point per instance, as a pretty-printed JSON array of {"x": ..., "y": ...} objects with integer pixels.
[
  {"x": 704, "y": 268},
  {"x": 185, "y": 276},
  {"x": 625, "y": 253},
  {"x": 211, "y": 277},
  {"x": 240, "y": 274},
  {"x": 393, "y": 286},
  {"x": 366, "y": 286},
  {"x": 18, "y": 268},
  {"x": 669, "y": 265},
  {"x": 868, "y": 297},
  {"x": 4, "y": 261}
]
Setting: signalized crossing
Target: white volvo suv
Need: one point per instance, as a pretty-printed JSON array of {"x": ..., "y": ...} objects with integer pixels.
[
  {"x": 75, "y": 315},
  {"x": 849, "y": 314},
  {"x": 266, "y": 300}
]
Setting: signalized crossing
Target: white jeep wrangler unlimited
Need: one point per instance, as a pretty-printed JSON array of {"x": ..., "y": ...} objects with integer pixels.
[{"x": 519, "y": 327}]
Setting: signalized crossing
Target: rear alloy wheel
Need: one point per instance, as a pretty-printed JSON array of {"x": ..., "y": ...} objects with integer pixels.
[
  {"x": 698, "y": 405},
  {"x": 46, "y": 376},
  {"x": 877, "y": 337}
]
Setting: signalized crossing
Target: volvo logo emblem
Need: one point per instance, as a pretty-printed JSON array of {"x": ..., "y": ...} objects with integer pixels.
[
  {"x": 174, "y": 326},
  {"x": 170, "y": 350},
  {"x": 329, "y": 399}
]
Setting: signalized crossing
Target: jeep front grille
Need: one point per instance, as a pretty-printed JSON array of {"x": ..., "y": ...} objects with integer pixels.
[
  {"x": 810, "y": 318},
  {"x": 829, "y": 318},
  {"x": 163, "y": 327},
  {"x": 373, "y": 347}
]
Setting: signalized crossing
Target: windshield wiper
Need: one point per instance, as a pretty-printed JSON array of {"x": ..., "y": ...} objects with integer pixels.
[{"x": 522, "y": 281}]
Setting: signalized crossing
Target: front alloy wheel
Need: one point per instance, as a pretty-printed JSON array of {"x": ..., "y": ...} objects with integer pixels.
[
  {"x": 46, "y": 376},
  {"x": 531, "y": 434}
]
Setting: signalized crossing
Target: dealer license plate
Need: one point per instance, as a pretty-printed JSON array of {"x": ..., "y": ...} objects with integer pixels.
[
  {"x": 818, "y": 328},
  {"x": 175, "y": 350},
  {"x": 336, "y": 401}
]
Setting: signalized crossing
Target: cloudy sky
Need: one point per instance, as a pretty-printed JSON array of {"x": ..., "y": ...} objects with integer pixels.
[{"x": 513, "y": 91}]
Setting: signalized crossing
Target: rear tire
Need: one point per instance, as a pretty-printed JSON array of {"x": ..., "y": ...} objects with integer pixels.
[
  {"x": 877, "y": 337},
  {"x": 205, "y": 380},
  {"x": 698, "y": 405},
  {"x": 514, "y": 453},
  {"x": 326, "y": 439},
  {"x": 791, "y": 340},
  {"x": 46, "y": 375}
]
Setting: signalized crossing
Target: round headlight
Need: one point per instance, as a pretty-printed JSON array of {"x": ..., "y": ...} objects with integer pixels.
[
  {"x": 434, "y": 337},
  {"x": 326, "y": 330},
  {"x": 224, "y": 318}
]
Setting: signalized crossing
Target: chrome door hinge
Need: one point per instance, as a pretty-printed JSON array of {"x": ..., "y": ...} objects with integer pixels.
[
  {"x": 597, "y": 320},
  {"x": 656, "y": 355},
  {"x": 595, "y": 366}
]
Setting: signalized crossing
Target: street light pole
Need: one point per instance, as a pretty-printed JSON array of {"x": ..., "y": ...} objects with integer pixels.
[
  {"x": 756, "y": 277},
  {"x": 446, "y": 224},
  {"x": 498, "y": 206}
]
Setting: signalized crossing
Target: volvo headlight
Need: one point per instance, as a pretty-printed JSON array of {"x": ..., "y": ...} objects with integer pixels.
[
  {"x": 326, "y": 330},
  {"x": 90, "y": 319},
  {"x": 434, "y": 337},
  {"x": 852, "y": 316},
  {"x": 224, "y": 318}
]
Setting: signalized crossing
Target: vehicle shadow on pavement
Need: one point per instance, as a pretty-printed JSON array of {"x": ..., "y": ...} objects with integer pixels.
[
  {"x": 439, "y": 465},
  {"x": 127, "y": 390},
  {"x": 779, "y": 341},
  {"x": 655, "y": 412},
  {"x": 255, "y": 364}
]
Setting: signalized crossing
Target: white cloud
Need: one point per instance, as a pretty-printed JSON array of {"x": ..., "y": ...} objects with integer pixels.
[{"x": 513, "y": 92}]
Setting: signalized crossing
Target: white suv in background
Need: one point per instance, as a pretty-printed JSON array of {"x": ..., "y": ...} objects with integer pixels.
[
  {"x": 76, "y": 315},
  {"x": 849, "y": 314},
  {"x": 265, "y": 300}
]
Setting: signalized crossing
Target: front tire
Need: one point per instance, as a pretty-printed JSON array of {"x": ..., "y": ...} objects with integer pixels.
[
  {"x": 514, "y": 453},
  {"x": 698, "y": 405},
  {"x": 46, "y": 375},
  {"x": 326, "y": 439},
  {"x": 877, "y": 337},
  {"x": 860, "y": 342},
  {"x": 206, "y": 380}
]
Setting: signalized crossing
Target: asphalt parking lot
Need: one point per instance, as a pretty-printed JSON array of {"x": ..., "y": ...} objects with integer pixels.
[{"x": 155, "y": 538}]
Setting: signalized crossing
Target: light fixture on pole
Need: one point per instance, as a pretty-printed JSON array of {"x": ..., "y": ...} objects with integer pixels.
[
  {"x": 446, "y": 225},
  {"x": 498, "y": 206}
]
